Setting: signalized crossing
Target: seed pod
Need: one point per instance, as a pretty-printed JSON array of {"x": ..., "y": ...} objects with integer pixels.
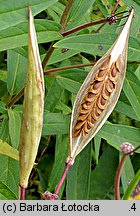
[
  {"x": 33, "y": 107},
  {"x": 99, "y": 93}
]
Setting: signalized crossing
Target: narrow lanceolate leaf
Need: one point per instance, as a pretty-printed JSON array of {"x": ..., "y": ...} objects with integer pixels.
[
  {"x": 99, "y": 93},
  {"x": 33, "y": 107},
  {"x": 6, "y": 149}
]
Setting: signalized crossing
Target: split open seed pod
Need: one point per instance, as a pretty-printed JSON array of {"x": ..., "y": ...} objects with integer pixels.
[
  {"x": 99, "y": 93},
  {"x": 33, "y": 107}
]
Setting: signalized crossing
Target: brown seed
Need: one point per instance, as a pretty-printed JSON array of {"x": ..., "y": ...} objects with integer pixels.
[
  {"x": 114, "y": 71},
  {"x": 84, "y": 133},
  {"x": 96, "y": 85},
  {"x": 95, "y": 115},
  {"x": 90, "y": 95},
  {"x": 110, "y": 86},
  {"x": 87, "y": 105},
  {"x": 78, "y": 125},
  {"x": 83, "y": 110},
  {"x": 82, "y": 117},
  {"x": 101, "y": 102},
  {"x": 77, "y": 133},
  {"x": 102, "y": 73},
  {"x": 104, "y": 66},
  {"x": 86, "y": 127},
  {"x": 100, "y": 76},
  {"x": 105, "y": 93},
  {"x": 113, "y": 76},
  {"x": 98, "y": 110},
  {"x": 91, "y": 121}
]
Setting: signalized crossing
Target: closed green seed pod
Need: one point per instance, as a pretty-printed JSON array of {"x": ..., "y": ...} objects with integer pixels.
[{"x": 33, "y": 107}]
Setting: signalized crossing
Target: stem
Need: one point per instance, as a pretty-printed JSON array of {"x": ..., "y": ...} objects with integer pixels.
[
  {"x": 16, "y": 98},
  {"x": 68, "y": 165},
  {"x": 48, "y": 54},
  {"x": 117, "y": 178},
  {"x": 100, "y": 27},
  {"x": 65, "y": 14},
  {"x": 78, "y": 28},
  {"x": 118, "y": 173},
  {"x": 113, "y": 11},
  {"x": 115, "y": 7},
  {"x": 62, "y": 22},
  {"x": 68, "y": 67},
  {"x": 22, "y": 191}
]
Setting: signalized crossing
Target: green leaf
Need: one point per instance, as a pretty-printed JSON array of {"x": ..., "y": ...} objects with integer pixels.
[
  {"x": 53, "y": 96},
  {"x": 102, "y": 4},
  {"x": 58, "y": 55},
  {"x": 9, "y": 173},
  {"x": 4, "y": 132},
  {"x": 102, "y": 178},
  {"x": 3, "y": 75},
  {"x": 6, "y": 193},
  {"x": 55, "y": 11},
  {"x": 55, "y": 123},
  {"x": 79, "y": 9},
  {"x": 14, "y": 12},
  {"x": 126, "y": 109},
  {"x": 61, "y": 106},
  {"x": 68, "y": 84},
  {"x": 78, "y": 180},
  {"x": 115, "y": 134},
  {"x": 8, "y": 150},
  {"x": 133, "y": 4},
  {"x": 97, "y": 144},
  {"x": 43, "y": 180},
  {"x": 14, "y": 127},
  {"x": 98, "y": 44},
  {"x": 131, "y": 186},
  {"x": 16, "y": 66},
  {"x": 3, "y": 88},
  {"x": 131, "y": 89},
  {"x": 2, "y": 107},
  {"x": 17, "y": 36},
  {"x": 75, "y": 74},
  {"x": 127, "y": 173},
  {"x": 61, "y": 152}
]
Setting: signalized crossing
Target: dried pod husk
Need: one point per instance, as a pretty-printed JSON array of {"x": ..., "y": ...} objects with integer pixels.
[
  {"x": 33, "y": 107},
  {"x": 99, "y": 93}
]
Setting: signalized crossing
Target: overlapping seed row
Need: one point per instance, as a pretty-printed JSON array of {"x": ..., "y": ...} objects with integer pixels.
[{"x": 97, "y": 97}]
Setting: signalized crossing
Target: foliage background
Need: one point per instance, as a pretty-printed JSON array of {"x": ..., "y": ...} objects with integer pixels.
[{"x": 92, "y": 176}]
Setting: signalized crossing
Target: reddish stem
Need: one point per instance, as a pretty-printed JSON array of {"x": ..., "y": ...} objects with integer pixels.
[
  {"x": 113, "y": 11},
  {"x": 22, "y": 191},
  {"x": 68, "y": 165},
  {"x": 65, "y": 14},
  {"x": 117, "y": 178},
  {"x": 54, "y": 196},
  {"x": 68, "y": 67},
  {"x": 115, "y": 7},
  {"x": 78, "y": 28}
]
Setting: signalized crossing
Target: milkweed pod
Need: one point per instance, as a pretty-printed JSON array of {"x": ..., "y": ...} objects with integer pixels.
[
  {"x": 33, "y": 107},
  {"x": 99, "y": 93}
]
